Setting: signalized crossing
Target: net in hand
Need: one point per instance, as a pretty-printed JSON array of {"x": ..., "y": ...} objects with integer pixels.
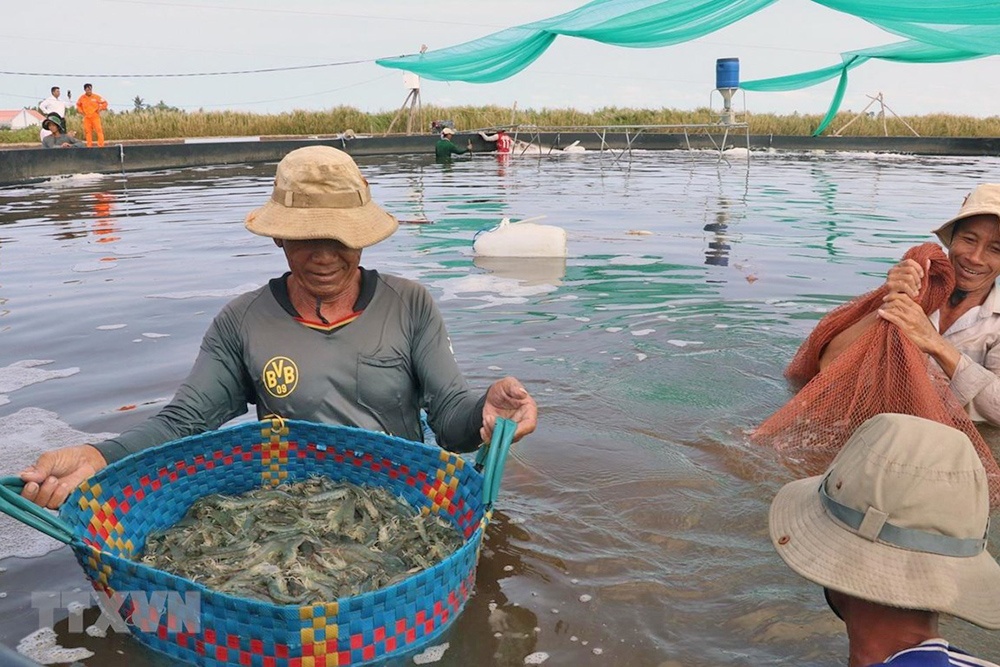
[{"x": 881, "y": 371}]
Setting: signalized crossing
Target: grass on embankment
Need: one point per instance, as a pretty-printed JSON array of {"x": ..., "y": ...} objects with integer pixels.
[{"x": 178, "y": 124}]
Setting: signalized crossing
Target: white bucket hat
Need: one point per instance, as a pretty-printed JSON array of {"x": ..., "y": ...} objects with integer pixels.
[
  {"x": 899, "y": 519},
  {"x": 984, "y": 200},
  {"x": 447, "y": 130},
  {"x": 319, "y": 193}
]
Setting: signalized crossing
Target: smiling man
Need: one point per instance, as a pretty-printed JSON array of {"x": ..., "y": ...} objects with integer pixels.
[
  {"x": 963, "y": 335},
  {"x": 329, "y": 341}
]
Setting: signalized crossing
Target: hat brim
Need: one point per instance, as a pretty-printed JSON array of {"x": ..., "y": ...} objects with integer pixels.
[
  {"x": 357, "y": 227},
  {"x": 825, "y": 552},
  {"x": 947, "y": 230}
]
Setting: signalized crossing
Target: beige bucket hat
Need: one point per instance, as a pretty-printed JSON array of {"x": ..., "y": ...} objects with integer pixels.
[
  {"x": 900, "y": 519},
  {"x": 319, "y": 193},
  {"x": 984, "y": 200}
]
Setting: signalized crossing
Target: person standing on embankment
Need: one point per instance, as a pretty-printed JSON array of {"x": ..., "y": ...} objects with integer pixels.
[{"x": 90, "y": 105}]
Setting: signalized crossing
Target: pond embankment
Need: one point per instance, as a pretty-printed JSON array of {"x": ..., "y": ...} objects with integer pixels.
[{"x": 19, "y": 164}]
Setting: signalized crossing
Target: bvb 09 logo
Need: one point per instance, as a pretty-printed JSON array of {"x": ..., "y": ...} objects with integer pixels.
[{"x": 280, "y": 376}]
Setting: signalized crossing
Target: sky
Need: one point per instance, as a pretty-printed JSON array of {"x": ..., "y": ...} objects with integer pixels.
[{"x": 94, "y": 39}]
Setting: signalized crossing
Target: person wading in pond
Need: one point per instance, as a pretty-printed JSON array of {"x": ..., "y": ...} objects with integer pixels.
[
  {"x": 445, "y": 147},
  {"x": 329, "y": 341},
  {"x": 895, "y": 533},
  {"x": 963, "y": 337},
  {"x": 504, "y": 142}
]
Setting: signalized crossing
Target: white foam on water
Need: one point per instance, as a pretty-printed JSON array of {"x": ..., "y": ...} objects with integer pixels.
[
  {"x": 640, "y": 356},
  {"x": 629, "y": 260},
  {"x": 613, "y": 329},
  {"x": 684, "y": 343},
  {"x": 232, "y": 291},
  {"x": 643, "y": 332},
  {"x": 494, "y": 368},
  {"x": 27, "y": 433},
  {"x": 526, "y": 349},
  {"x": 536, "y": 658},
  {"x": 4, "y": 400},
  {"x": 586, "y": 598},
  {"x": 582, "y": 319},
  {"x": 155, "y": 335},
  {"x": 41, "y": 647},
  {"x": 74, "y": 179},
  {"x": 94, "y": 631},
  {"x": 597, "y": 650},
  {"x": 433, "y": 654},
  {"x": 111, "y": 327},
  {"x": 492, "y": 289},
  {"x": 20, "y": 374}
]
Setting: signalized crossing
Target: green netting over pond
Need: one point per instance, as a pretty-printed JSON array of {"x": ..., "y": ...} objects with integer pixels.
[{"x": 936, "y": 30}]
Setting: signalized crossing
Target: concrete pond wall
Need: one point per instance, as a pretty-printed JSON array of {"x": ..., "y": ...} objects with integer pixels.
[{"x": 24, "y": 164}]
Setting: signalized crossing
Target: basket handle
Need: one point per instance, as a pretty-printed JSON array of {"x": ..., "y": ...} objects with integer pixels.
[
  {"x": 492, "y": 457},
  {"x": 30, "y": 514}
]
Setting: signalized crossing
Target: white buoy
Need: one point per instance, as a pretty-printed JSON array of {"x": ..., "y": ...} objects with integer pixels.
[{"x": 521, "y": 239}]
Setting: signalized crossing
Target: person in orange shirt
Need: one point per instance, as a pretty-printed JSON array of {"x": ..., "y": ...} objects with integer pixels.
[{"x": 90, "y": 105}]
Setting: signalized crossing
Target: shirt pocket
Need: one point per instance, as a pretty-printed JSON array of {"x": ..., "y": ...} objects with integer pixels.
[{"x": 386, "y": 389}]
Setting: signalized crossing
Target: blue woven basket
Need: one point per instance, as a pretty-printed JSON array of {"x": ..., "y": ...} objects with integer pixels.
[{"x": 108, "y": 518}]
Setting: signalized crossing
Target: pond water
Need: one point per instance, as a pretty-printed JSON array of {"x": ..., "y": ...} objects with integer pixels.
[{"x": 632, "y": 526}]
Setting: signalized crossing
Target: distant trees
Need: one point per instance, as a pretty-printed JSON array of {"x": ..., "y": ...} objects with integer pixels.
[{"x": 139, "y": 105}]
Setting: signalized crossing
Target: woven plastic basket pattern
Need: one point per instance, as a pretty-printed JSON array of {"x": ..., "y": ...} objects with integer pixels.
[{"x": 114, "y": 512}]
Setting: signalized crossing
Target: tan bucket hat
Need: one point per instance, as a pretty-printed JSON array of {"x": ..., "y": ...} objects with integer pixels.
[
  {"x": 319, "y": 193},
  {"x": 984, "y": 200},
  {"x": 900, "y": 519}
]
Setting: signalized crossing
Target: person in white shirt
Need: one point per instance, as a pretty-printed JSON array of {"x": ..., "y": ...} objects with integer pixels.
[
  {"x": 54, "y": 105},
  {"x": 963, "y": 337}
]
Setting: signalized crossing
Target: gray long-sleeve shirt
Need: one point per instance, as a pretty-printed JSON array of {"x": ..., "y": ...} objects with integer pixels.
[{"x": 376, "y": 372}]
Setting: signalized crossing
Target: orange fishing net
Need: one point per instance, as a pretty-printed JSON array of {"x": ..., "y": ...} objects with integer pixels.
[{"x": 881, "y": 371}]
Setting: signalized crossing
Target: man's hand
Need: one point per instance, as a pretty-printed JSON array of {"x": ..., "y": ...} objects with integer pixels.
[
  {"x": 57, "y": 473},
  {"x": 508, "y": 398},
  {"x": 906, "y": 278},
  {"x": 906, "y": 314}
]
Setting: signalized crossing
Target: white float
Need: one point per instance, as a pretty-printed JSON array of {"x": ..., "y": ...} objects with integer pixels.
[{"x": 521, "y": 239}]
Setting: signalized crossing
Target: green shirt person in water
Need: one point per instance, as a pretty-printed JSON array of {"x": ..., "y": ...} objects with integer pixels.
[{"x": 445, "y": 147}]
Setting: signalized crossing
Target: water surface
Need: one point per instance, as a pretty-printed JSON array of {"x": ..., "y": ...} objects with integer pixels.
[{"x": 632, "y": 525}]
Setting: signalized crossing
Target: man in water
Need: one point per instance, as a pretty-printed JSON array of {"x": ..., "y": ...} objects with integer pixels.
[
  {"x": 505, "y": 143},
  {"x": 329, "y": 341},
  {"x": 895, "y": 532},
  {"x": 445, "y": 147},
  {"x": 963, "y": 336}
]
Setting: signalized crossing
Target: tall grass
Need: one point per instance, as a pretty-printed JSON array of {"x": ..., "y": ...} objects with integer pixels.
[{"x": 159, "y": 124}]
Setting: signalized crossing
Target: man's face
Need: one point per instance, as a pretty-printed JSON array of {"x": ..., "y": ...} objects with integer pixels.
[
  {"x": 324, "y": 267},
  {"x": 88, "y": 90},
  {"x": 55, "y": 93},
  {"x": 975, "y": 253}
]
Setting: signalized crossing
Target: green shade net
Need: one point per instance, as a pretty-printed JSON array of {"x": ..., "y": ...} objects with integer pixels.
[{"x": 937, "y": 31}]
